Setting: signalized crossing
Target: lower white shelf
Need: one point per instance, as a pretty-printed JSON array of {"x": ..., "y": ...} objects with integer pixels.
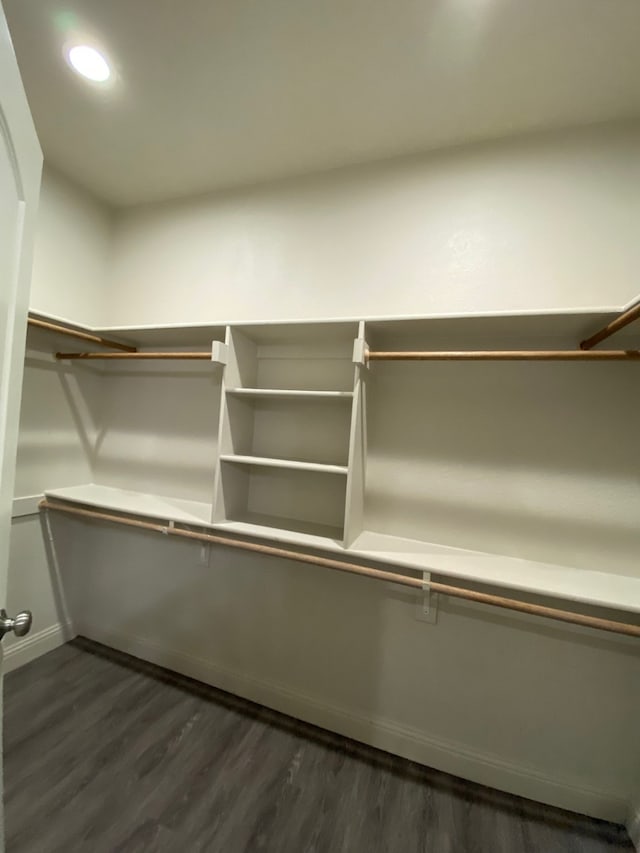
[
  {"x": 598, "y": 588},
  {"x": 620, "y": 592},
  {"x": 136, "y": 503},
  {"x": 287, "y": 530}
]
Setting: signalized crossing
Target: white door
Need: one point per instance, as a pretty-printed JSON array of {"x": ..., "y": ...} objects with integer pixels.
[{"x": 20, "y": 168}]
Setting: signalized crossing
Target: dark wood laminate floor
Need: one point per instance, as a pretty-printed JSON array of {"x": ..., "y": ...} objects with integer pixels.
[{"x": 105, "y": 753}]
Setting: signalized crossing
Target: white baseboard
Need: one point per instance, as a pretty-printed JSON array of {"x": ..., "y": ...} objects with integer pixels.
[
  {"x": 27, "y": 505},
  {"x": 413, "y": 744},
  {"x": 633, "y": 825},
  {"x": 32, "y": 646}
]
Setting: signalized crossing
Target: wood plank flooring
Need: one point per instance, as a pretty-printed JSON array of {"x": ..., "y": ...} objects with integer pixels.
[{"x": 105, "y": 753}]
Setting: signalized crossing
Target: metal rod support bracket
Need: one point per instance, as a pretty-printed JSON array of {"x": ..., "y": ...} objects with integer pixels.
[{"x": 427, "y": 607}]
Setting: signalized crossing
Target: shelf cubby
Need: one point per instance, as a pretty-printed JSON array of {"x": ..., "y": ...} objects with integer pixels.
[
  {"x": 303, "y": 429},
  {"x": 292, "y": 357},
  {"x": 309, "y": 501}
]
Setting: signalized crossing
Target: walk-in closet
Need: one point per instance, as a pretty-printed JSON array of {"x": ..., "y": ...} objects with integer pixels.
[{"x": 319, "y": 453}]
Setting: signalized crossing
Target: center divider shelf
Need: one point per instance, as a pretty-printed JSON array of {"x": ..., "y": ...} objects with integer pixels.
[
  {"x": 287, "y": 394},
  {"x": 279, "y": 438},
  {"x": 270, "y": 462}
]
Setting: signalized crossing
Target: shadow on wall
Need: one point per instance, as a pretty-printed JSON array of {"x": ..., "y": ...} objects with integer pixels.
[
  {"x": 159, "y": 430},
  {"x": 149, "y": 430}
]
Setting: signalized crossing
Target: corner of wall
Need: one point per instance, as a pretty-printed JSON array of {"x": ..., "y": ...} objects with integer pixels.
[
  {"x": 633, "y": 821},
  {"x": 72, "y": 252}
]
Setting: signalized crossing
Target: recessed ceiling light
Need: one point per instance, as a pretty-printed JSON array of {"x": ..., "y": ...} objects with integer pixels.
[{"x": 89, "y": 62}]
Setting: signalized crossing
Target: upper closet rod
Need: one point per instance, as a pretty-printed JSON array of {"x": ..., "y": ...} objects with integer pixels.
[
  {"x": 83, "y": 336},
  {"x": 620, "y": 322},
  {"x": 569, "y": 616},
  {"x": 508, "y": 355}
]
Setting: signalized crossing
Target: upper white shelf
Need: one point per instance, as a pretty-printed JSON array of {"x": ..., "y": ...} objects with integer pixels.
[
  {"x": 496, "y": 328},
  {"x": 285, "y": 394},
  {"x": 294, "y": 464}
]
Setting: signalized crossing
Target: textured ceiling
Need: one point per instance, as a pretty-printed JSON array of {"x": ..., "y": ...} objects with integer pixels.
[{"x": 215, "y": 93}]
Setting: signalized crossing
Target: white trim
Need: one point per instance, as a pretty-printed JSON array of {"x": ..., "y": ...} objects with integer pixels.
[
  {"x": 26, "y": 505},
  {"x": 34, "y": 645},
  {"x": 390, "y": 736},
  {"x": 632, "y": 824}
]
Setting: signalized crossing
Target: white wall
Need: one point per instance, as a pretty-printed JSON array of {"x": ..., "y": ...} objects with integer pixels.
[
  {"x": 530, "y": 460},
  {"x": 547, "y": 222},
  {"x": 72, "y": 252},
  {"x": 59, "y": 415},
  {"x": 158, "y": 429},
  {"x": 59, "y": 418}
]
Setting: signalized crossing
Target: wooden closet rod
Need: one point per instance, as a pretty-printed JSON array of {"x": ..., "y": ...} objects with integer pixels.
[
  {"x": 166, "y": 355},
  {"x": 509, "y": 355},
  {"x": 83, "y": 336},
  {"x": 352, "y": 568},
  {"x": 620, "y": 322}
]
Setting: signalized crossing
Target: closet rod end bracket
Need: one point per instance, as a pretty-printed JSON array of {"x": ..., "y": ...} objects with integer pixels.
[
  {"x": 219, "y": 352},
  {"x": 361, "y": 352}
]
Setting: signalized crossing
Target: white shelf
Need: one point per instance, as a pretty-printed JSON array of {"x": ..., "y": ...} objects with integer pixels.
[
  {"x": 136, "y": 503},
  {"x": 288, "y": 531},
  {"x": 294, "y": 464},
  {"x": 285, "y": 530},
  {"x": 620, "y": 592},
  {"x": 285, "y": 394},
  {"x": 598, "y": 588},
  {"x": 571, "y": 325}
]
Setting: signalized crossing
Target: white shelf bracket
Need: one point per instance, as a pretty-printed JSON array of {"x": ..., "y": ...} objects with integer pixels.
[
  {"x": 219, "y": 352},
  {"x": 361, "y": 352},
  {"x": 427, "y": 607}
]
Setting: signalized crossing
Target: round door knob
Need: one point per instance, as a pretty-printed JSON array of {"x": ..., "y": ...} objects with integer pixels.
[{"x": 20, "y": 626}]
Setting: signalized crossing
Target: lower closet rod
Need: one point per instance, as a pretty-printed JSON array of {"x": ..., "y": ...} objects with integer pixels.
[{"x": 352, "y": 568}]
